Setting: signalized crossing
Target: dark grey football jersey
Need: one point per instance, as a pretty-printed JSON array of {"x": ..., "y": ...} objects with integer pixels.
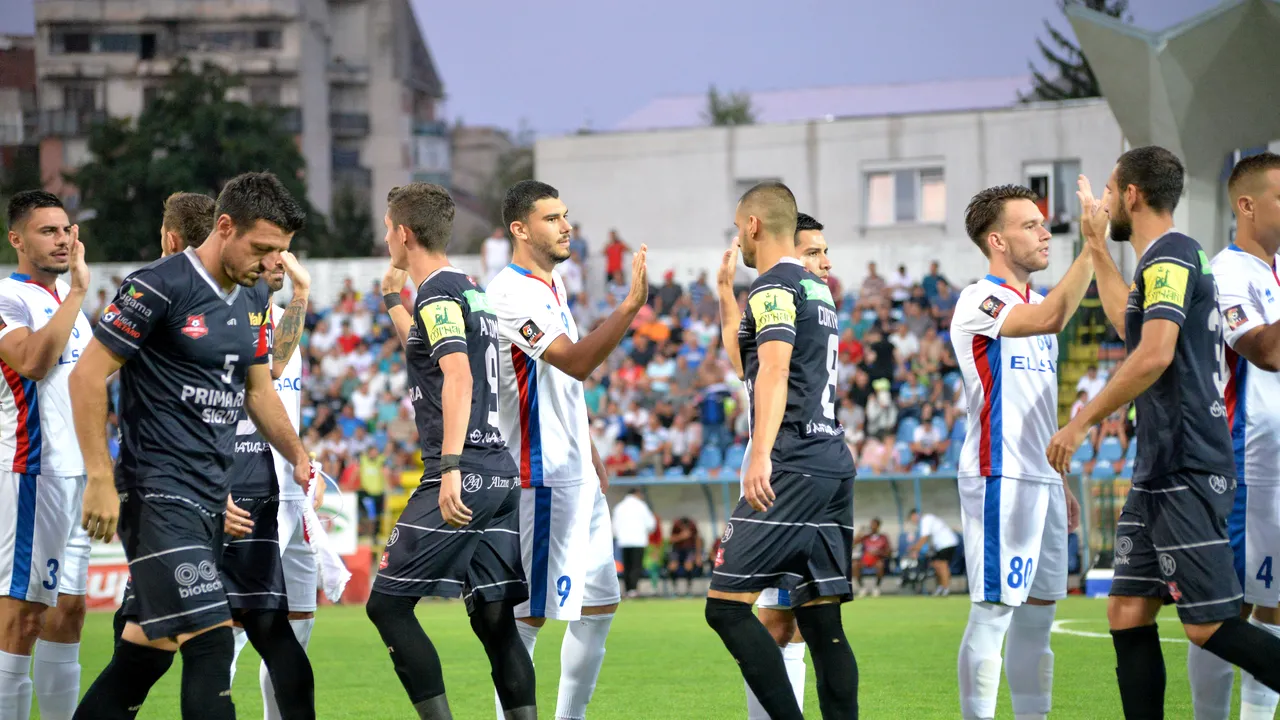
[
  {"x": 188, "y": 346},
  {"x": 1182, "y": 417},
  {"x": 452, "y": 315},
  {"x": 792, "y": 305}
]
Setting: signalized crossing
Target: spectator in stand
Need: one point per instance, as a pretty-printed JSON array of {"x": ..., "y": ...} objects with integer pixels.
[
  {"x": 571, "y": 272},
  {"x": 655, "y": 447},
  {"x": 1091, "y": 383},
  {"x": 930, "y": 282},
  {"x": 701, "y": 297},
  {"x": 617, "y": 289},
  {"x": 928, "y": 443},
  {"x": 882, "y": 411},
  {"x": 684, "y": 442},
  {"x": 911, "y": 398},
  {"x": 373, "y": 489},
  {"x": 668, "y": 294},
  {"x": 861, "y": 389},
  {"x": 875, "y": 555},
  {"x": 904, "y": 343},
  {"x": 348, "y": 340},
  {"x": 932, "y": 351},
  {"x": 661, "y": 370},
  {"x": 495, "y": 254},
  {"x": 686, "y": 552},
  {"x": 944, "y": 305},
  {"x": 877, "y": 456},
  {"x": 578, "y": 246},
  {"x": 618, "y": 462},
  {"x": 633, "y": 521},
  {"x": 614, "y": 255},
  {"x": 877, "y": 359},
  {"x": 915, "y": 320},
  {"x": 873, "y": 286},
  {"x": 850, "y": 349},
  {"x": 715, "y": 431},
  {"x": 900, "y": 286}
]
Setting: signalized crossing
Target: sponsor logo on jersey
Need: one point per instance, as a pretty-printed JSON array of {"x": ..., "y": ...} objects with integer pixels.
[
  {"x": 477, "y": 301},
  {"x": 472, "y": 483},
  {"x": 773, "y": 307},
  {"x": 719, "y": 556},
  {"x": 476, "y": 435},
  {"x": 196, "y": 580},
  {"x": 501, "y": 482},
  {"x": 530, "y": 332},
  {"x": 111, "y": 313},
  {"x": 442, "y": 320},
  {"x": 231, "y": 322},
  {"x": 818, "y": 291},
  {"x": 992, "y": 306},
  {"x": 1218, "y": 483},
  {"x": 1165, "y": 282},
  {"x": 130, "y": 298},
  {"x": 1124, "y": 546},
  {"x": 395, "y": 535},
  {"x": 255, "y": 319},
  {"x": 728, "y": 532},
  {"x": 195, "y": 327},
  {"x": 1236, "y": 316},
  {"x": 382, "y": 564},
  {"x": 820, "y": 428},
  {"x": 1167, "y": 565},
  {"x": 1217, "y": 409}
]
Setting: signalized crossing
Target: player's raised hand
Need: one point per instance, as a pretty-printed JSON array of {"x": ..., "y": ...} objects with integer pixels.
[
  {"x": 237, "y": 522},
  {"x": 79, "y": 268},
  {"x": 393, "y": 280},
  {"x": 728, "y": 267},
  {"x": 298, "y": 275},
  {"x": 451, "y": 507},
  {"x": 1095, "y": 213},
  {"x": 639, "y": 293},
  {"x": 755, "y": 482},
  {"x": 1064, "y": 444},
  {"x": 101, "y": 508}
]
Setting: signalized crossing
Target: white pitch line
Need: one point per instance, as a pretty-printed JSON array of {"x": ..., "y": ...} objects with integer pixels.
[{"x": 1059, "y": 626}]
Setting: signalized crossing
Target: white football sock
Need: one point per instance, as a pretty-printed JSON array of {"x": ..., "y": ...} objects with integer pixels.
[
  {"x": 57, "y": 679},
  {"x": 1028, "y": 661},
  {"x": 15, "y": 686},
  {"x": 529, "y": 634},
  {"x": 1257, "y": 701},
  {"x": 979, "y": 663},
  {"x": 302, "y": 631},
  {"x": 793, "y": 659},
  {"x": 241, "y": 639},
  {"x": 581, "y": 655},
  {"x": 1211, "y": 680}
]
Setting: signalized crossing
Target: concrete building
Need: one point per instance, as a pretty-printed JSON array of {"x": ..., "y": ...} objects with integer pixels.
[
  {"x": 890, "y": 187},
  {"x": 355, "y": 75},
  {"x": 477, "y": 155},
  {"x": 17, "y": 98}
]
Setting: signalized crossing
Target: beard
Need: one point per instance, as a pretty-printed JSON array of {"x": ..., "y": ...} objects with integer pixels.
[
  {"x": 275, "y": 284},
  {"x": 552, "y": 251},
  {"x": 749, "y": 255},
  {"x": 52, "y": 267},
  {"x": 1121, "y": 226}
]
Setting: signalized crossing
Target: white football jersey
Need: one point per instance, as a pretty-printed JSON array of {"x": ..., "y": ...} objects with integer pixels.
[
  {"x": 1249, "y": 297},
  {"x": 37, "y": 435},
  {"x": 289, "y": 388},
  {"x": 542, "y": 412},
  {"x": 1010, "y": 386}
]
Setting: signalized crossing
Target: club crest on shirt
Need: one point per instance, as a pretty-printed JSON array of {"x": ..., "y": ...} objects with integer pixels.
[
  {"x": 195, "y": 327},
  {"x": 1236, "y": 316},
  {"x": 530, "y": 332},
  {"x": 992, "y": 306}
]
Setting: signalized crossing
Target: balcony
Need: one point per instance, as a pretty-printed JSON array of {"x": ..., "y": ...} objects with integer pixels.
[
  {"x": 343, "y": 72},
  {"x": 67, "y": 123},
  {"x": 430, "y": 127},
  {"x": 349, "y": 125},
  {"x": 353, "y": 178},
  {"x": 343, "y": 159}
]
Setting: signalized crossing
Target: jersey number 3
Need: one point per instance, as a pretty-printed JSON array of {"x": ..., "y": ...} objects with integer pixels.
[{"x": 1222, "y": 372}]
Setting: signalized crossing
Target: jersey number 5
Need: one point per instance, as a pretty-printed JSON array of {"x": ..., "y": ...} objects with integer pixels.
[{"x": 230, "y": 366}]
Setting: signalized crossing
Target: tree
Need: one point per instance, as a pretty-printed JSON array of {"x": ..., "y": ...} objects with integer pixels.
[
  {"x": 24, "y": 174},
  {"x": 191, "y": 138},
  {"x": 1073, "y": 78},
  {"x": 352, "y": 231},
  {"x": 513, "y": 165},
  {"x": 729, "y": 108}
]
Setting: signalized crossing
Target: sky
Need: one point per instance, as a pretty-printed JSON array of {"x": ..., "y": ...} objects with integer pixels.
[{"x": 555, "y": 66}]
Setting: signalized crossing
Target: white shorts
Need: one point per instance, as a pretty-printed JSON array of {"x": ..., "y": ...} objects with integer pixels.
[
  {"x": 1015, "y": 539},
  {"x": 300, "y": 570},
  {"x": 774, "y": 599},
  {"x": 35, "y": 527},
  {"x": 74, "y": 577},
  {"x": 566, "y": 543}
]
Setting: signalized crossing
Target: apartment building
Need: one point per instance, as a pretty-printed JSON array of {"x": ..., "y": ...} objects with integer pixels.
[
  {"x": 355, "y": 77},
  {"x": 17, "y": 98}
]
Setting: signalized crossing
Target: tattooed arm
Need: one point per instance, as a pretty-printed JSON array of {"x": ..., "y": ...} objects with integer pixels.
[{"x": 288, "y": 332}]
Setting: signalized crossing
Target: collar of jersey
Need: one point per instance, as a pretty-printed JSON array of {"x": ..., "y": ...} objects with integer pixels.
[
  {"x": 1164, "y": 235},
  {"x": 529, "y": 274},
  {"x": 223, "y": 295},
  {"x": 25, "y": 278},
  {"x": 1000, "y": 281}
]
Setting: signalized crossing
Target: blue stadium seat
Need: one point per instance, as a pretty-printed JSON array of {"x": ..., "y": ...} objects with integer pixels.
[
  {"x": 1127, "y": 471},
  {"x": 940, "y": 423},
  {"x": 1073, "y": 554},
  {"x": 1110, "y": 451},
  {"x": 950, "y": 378},
  {"x": 673, "y": 472},
  {"x": 700, "y": 473},
  {"x": 710, "y": 457},
  {"x": 865, "y": 471},
  {"x": 1133, "y": 450},
  {"x": 952, "y": 456},
  {"x": 903, "y": 453},
  {"x": 947, "y": 465},
  {"x": 907, "y": 428},
  {"x": 921, "y": 468},
  {"x": 1103, "y": 471},
  {"x": 633, "y": 453},
  {"x": 1084, "y": 454},
  {"x": 733, "y": 458},
  {"x": 645, "y": 472}
]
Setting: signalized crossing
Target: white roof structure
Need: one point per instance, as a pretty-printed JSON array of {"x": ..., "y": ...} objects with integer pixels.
[{"x": 843, "y": 101}]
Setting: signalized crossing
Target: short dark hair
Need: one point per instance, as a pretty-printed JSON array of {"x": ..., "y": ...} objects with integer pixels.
[
  {"x": 425, "y": 209},
  {"x": 1156, "y": 172},
  {"x": 806, "y": 222},
  {"x": 775, "y": 205},
  {"x": 190, "y": 215},
  {"x": 1251, "y": 167},
  {"x": 987, "y": 208},
  {"x": 256, "y": 196},
  {"x": 24, "y": 203},
  {"x": 521, "y": 198}
]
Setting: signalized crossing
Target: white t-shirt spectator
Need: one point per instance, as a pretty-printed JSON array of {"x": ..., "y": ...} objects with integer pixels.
[
  {"x": 682, "y": 441},
  {"x": 904, "y": 342},
  {"x": 497, "y": 253},
  {"x": 653, "y": 438},
  {"x": 927, "y": 434},
  {"x": 364, "y": 405},
  {"x": 334, "y": 365},
  {"x": 1091, "y": 388},
  {"x": 633, "y": 522},
  {"x": 571, "y": 274},
  {"x": 660, "y": 371},
  {"x": 901, "y": 284},
  {"x": 939, "y": 533}
]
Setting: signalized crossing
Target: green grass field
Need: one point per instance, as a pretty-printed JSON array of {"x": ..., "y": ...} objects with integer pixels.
[{"x": 663, "y": 662}]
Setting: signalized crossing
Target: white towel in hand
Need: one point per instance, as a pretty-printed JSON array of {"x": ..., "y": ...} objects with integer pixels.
[{"x": 333, "y": 571}]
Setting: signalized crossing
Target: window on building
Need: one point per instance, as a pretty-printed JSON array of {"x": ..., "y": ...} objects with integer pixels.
[
  {"x": 266, "y": 39},
  {"x": 264, "y": 94},
  {"x": 79, "y": 98},
  {"x": 906, "y": 196},
  {"x": 118, "y": 42},
  {"x": 72, "y": 42},
  {"x": 147, "y": 46},
  {"x": 1055, "y": 184}
]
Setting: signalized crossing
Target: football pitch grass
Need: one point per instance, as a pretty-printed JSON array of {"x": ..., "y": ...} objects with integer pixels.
[{"x": 664, "y": 662}]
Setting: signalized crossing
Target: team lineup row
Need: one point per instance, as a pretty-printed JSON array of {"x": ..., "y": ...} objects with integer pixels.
[{"x": 511, "y": 514}]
